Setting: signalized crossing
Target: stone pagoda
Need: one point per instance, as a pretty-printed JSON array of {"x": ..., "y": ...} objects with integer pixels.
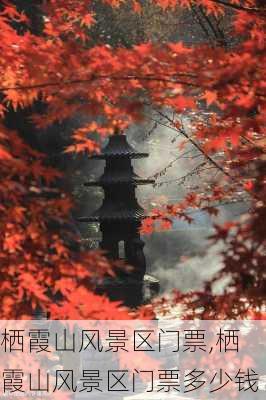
[{"x": 120, "y": 215}]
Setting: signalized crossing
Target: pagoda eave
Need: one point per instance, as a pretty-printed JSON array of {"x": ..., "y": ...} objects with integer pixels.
[
  {"x": 110, "y": 182},
  {"x": 111, "y": 218},
  {"x": 104, "y": 156},
  {"x": 118, "y": 148},
  {"x": 108, "y": 214}
]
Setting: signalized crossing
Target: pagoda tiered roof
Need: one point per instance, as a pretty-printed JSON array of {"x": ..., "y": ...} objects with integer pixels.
[
  {"x": 118, "y": 146},
  {"x": 114, "y": 212},
  {"x": 119, "y": 181},
  {"x": 120, "y": 177}
]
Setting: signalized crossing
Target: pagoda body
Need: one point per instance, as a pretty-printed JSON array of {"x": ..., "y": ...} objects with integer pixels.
[{"x": 120, "y": 214}]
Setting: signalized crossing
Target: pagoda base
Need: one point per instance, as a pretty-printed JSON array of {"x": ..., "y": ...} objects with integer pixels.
[{"x": 131, "y": 292}]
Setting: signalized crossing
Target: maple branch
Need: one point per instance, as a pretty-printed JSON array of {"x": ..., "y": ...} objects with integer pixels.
[
  {"x": 220, "y": 204},
  {"x": 159, "y": 123},
  {"x": 205, "y": 30},
  {"x": 212, "y": 161},
  {"x": 196, "y": 170},
  {"x": 99, "y": 77},
  {"x": 236, "y": 6},
  {"x": 198, "y": 147},
  {"x": 218, "y": 35},
  {"x": 169, "y": 165}
]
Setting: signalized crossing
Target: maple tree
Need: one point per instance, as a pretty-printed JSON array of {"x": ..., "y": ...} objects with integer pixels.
[{"x": 65, "y": 69}]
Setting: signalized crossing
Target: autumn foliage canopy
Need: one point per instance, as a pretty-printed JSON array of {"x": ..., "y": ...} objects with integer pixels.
[{"x": 65, "y": 69}]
